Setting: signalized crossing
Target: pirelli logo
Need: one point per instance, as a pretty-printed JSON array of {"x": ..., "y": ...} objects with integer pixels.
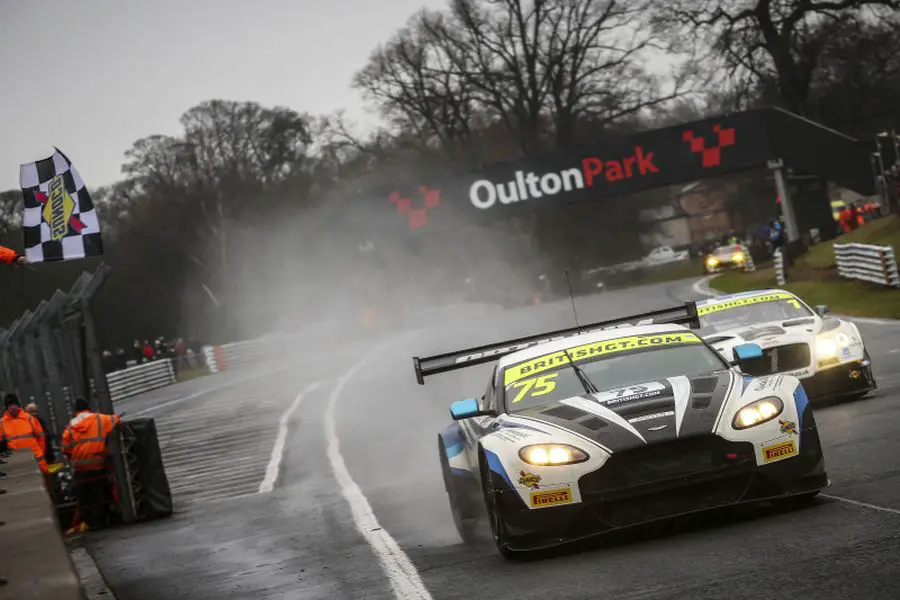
[
  {"x": 551, "y": 498},
  {"x": 779, "y": 451}
]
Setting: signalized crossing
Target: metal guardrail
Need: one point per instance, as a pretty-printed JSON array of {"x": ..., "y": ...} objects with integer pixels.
[
  {"x": 866, "y": 262},
  {"x": 140, "y": 378},
  {"x": 780, "y": 276}
]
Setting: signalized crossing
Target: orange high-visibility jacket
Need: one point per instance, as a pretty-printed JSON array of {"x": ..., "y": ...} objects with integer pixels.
[
  {"x": 84, "y": 439},
  {"x": 8, "y": 255},
  {"x": 24, "y": 432}
]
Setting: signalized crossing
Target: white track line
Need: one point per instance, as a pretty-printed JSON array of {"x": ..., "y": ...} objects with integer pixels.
[
  {"x": 404, "y": 578},
  {"x": 701, "y": 286},
  {"x": 274, "y": 466},
  {"x": 893, "y": 511}
]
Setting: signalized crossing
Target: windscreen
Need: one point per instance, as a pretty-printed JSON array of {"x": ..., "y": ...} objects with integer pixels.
[
  {"x": 609, "y": 364},
  {"x": 728, "y": 251},
  {"x": 752, "y": 310}
]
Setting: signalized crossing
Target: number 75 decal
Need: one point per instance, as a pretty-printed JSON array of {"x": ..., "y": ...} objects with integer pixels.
[{"x": 536, "y": 386}]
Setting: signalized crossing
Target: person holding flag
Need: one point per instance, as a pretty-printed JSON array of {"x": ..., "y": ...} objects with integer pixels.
[{"x": 10, "y": 256}]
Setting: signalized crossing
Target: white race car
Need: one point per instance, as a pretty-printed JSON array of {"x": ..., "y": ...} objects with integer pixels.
[
  {"x": 588, "y": 430},
  {"x": 827, "y": 354}
]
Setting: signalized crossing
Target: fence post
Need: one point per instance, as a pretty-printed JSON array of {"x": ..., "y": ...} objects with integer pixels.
[
  {"x": 893, "y": 275},
  {"x": 220, "y": 360},
  {"x": 780, "y": 277}
]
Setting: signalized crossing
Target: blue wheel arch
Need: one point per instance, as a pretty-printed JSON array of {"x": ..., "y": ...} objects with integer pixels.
[{"x": 453, "y": 439}]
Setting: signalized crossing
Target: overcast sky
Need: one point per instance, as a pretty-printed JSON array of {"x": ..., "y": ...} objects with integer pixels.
[{"x": 93, "y": 76}]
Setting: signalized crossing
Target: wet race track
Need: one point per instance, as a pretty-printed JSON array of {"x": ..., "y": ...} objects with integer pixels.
[{"x": 356, "y": 508}]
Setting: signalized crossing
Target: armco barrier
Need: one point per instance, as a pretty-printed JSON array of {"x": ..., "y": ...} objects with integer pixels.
[
  {"x": 875, "y": 264},
  {"x": 35, "y": 563},
  {"x": 140, "y": 378},
  {"x": 135, "y": 380}
]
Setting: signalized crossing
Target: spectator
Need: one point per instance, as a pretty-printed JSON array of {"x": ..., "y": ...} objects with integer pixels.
[
  {"x": 180, "y": 352},
  {"x": 120, "y": 360},
  {"x": 147, "y": 352},
  {"x": 49, "y": 450},
  {"x": 108, "y": 362},
  {"x": 855, "y": 217}
]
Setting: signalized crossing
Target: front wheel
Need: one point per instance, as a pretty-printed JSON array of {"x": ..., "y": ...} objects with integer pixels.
[
  {"x": 495, "y": 514},
  {"x": 465, "y": 523}
]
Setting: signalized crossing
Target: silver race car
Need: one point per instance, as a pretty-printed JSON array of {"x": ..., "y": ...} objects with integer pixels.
[
  {"x": 585, "y": 431},
  {"x": 827, "y": 354}
]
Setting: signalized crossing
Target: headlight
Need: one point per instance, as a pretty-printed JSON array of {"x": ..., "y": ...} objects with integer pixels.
[
  {"x": 738, "y": 257},
  {"x": 757, "y": 413},
  {"x": 544, "y": 455},
  {"x": 826, "y": 347},
  {"x": 712, "y": 261}
]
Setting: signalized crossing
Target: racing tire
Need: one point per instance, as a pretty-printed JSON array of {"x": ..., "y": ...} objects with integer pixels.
[
  {"x": 495, "y": 514},
  {"x": 464, "y": 522}
]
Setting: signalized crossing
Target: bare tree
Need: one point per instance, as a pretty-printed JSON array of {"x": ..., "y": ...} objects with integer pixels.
[
  {"x": 558, "y": 62},
  {"x": 775, "y": 44},
  {"x": 857, "y": 87},
  {"x": 418, "y": 86},
  {"x": 538, "y": 67}
]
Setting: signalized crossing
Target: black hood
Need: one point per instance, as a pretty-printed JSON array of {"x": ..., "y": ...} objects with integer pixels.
[{"x": 643, "y": 414}]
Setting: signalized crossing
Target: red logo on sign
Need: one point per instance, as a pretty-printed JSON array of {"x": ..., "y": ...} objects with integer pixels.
[
  {"x": 711, "y": 156},
  {"x": 417, "y": 217},
  {"x": 74, "y": 222}
]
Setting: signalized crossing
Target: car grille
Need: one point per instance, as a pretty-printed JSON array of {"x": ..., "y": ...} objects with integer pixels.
[
  {"x": 662, "y": 466},
  {"x": 778, "y": 359},
  {"x": 700, "y": 496}
]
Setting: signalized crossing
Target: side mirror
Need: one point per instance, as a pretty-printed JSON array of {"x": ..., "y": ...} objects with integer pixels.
[
  {"x": 468, "y": 408},
  {"x": 822, "y": 309},
  {"x": 745, "y": 352}
]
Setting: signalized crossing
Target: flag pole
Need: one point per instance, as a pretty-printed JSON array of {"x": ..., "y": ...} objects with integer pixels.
[{"x": 23, "y": 304}]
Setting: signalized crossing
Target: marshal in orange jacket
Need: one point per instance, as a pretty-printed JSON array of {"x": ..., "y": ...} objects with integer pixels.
[
  {"x": 84, "y": 439},
  {"x": 8, "y": 255},
  {"x": 24, "y": 432}
]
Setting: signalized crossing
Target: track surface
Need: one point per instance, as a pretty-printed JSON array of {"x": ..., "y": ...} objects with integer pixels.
[{"x": 300, "y": 541}]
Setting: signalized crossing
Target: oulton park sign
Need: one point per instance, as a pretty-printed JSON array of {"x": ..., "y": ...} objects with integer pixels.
[{"x": 616, "y": 166}]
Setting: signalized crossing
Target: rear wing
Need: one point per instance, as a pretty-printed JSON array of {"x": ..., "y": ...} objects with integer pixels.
[{"x": 685, "y": 314}]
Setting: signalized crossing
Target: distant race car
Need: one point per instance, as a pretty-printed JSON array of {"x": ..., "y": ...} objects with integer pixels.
[
  {"x": 827, "y": 354},
  {"x": 589, "y": 430},
  {"x": 733, "y": 256}
]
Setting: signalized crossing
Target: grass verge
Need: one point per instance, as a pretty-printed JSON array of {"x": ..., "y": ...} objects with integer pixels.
[{"x": 815, "y": 279}]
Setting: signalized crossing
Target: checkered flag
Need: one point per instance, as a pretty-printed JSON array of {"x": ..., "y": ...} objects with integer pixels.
[{"x": 60, "y": 220}]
